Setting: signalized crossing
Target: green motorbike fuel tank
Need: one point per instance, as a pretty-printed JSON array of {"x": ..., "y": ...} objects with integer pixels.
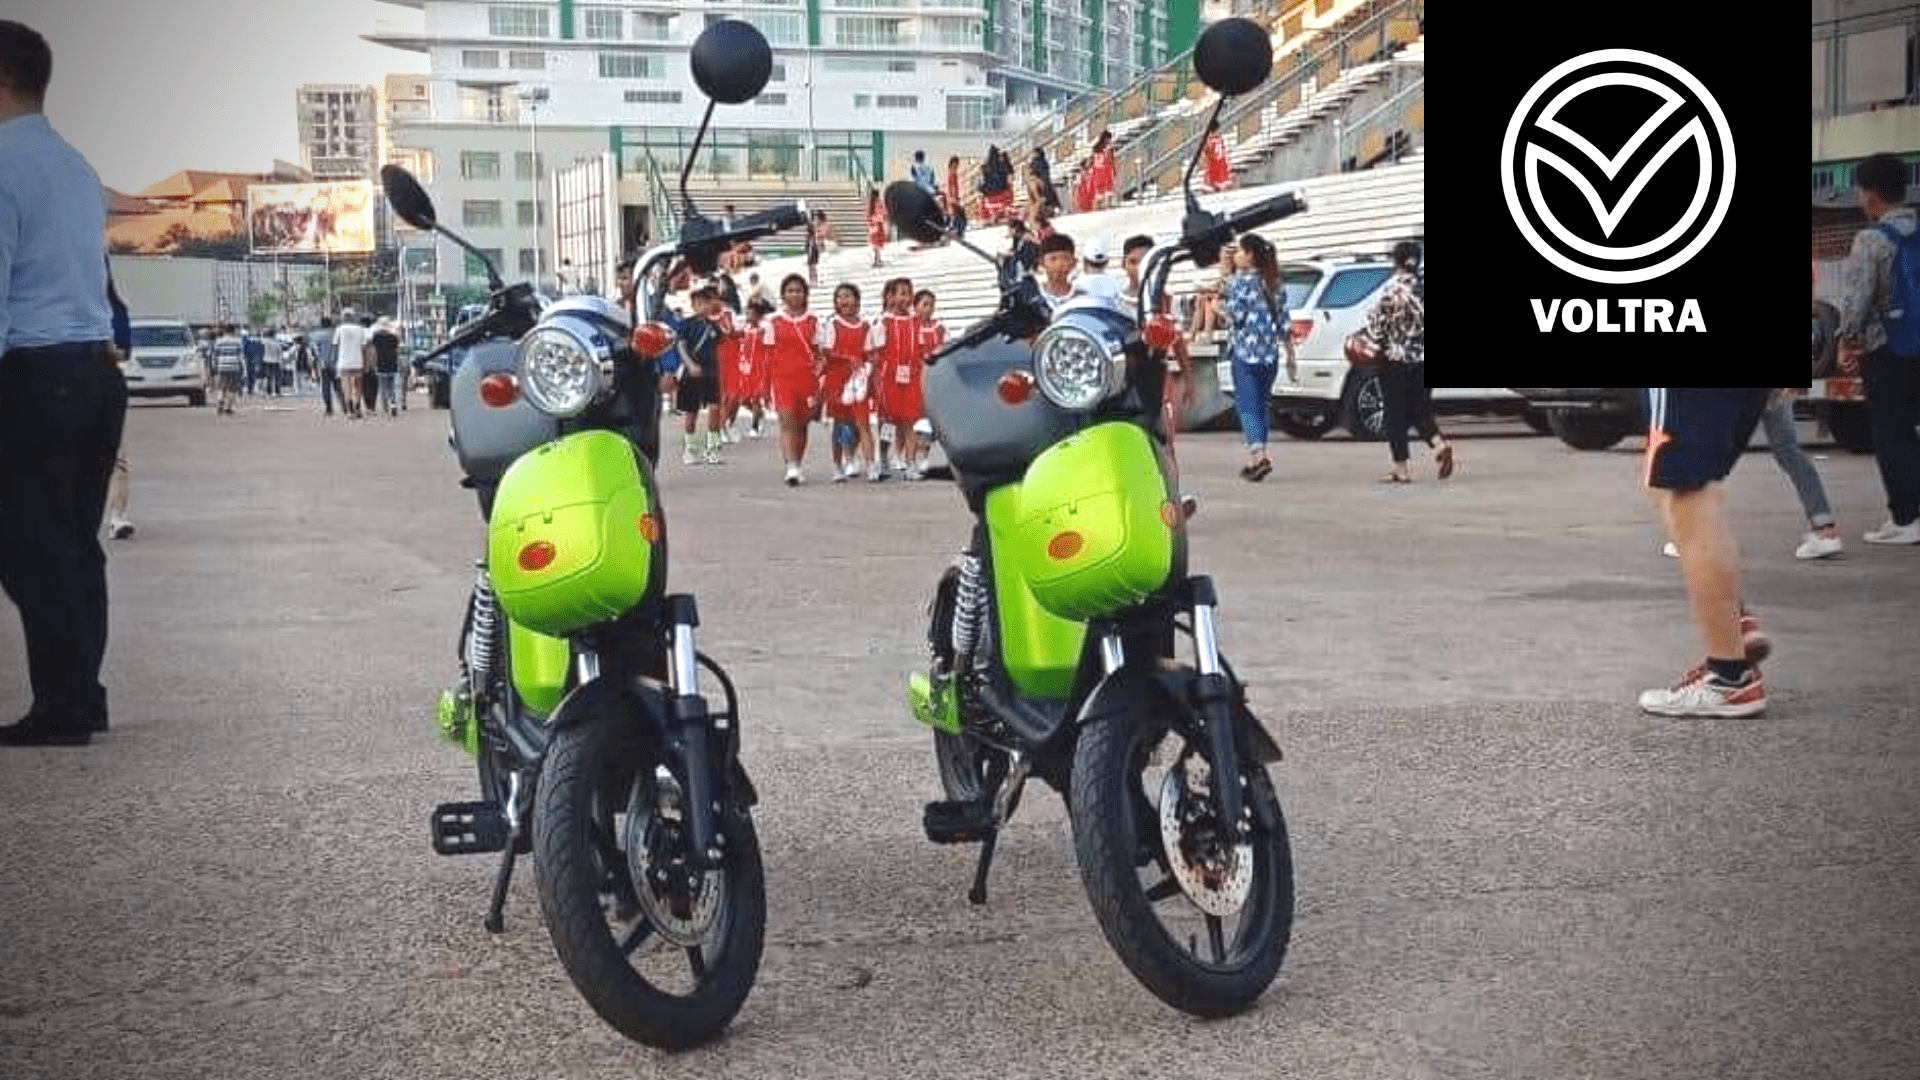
[
  {"x": 576, "y": 537},
  {"x": 1095, "y": 530}
]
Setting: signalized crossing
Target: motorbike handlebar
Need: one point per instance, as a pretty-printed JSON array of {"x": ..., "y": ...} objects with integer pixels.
[{"x": 1267, "y": 211}]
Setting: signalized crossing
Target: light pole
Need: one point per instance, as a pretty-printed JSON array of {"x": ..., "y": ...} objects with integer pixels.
[{"x": 533, "y": 97}]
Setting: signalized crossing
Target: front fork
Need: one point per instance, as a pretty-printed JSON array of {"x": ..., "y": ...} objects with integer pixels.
[
  {"x": 1211, "y": 698},
  {"x": 693, "y": 733}
]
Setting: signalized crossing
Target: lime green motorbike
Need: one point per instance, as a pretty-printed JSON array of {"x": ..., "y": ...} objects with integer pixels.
[
  {"x": 1053, "y": 638},
  {"x": 580, "y": 692}
]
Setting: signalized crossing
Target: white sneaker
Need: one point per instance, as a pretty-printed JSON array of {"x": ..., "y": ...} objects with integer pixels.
[
  {"x": 914, "y": 472},
  {"x": 875, "y": 473},
  {"x": 727, "y": 435},
  {"x": 794, "y": 479},
  {"x": 754, "y": 431},
  {"x": 713, "y": 455},
  {"x": 1815, "y": 546},
  {"x": 1670, "y": 551},
  {"x": 1701, "y": 693},
  {"x": 1889, "y": 533},
  {"x": 841, "y": 476},
  {"x": 120, "y": 528}
]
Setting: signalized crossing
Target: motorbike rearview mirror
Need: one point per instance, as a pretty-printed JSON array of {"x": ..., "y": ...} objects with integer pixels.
[
  {"x": 731, "y": 61},
  {"x": 409, "y": 199},
  {"x": 1233, "y": 56},
  {"x": 914, "y": 212}
]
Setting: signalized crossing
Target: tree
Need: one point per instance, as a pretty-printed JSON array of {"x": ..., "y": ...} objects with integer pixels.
[
  {"x": 231, "y": 248},
  {"x": 261, "y": 309}
]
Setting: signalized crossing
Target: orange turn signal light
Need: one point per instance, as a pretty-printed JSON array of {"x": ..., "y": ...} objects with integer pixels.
[
  {"x": 649, "y": 527},
  {"x": 1015, "y": 387},
  {"x": 499, "y": 391},
  {"x": 537, "y": 556},
  {"x": 1160, "y": 333},
  {"x": 650, "y": 339},
  {"x": 1065, "y": 546}
]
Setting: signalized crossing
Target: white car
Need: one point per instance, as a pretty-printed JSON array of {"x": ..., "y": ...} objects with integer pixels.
[
  {"x": 1329, "y": 297},
  {"x": 165, "y": 362}
]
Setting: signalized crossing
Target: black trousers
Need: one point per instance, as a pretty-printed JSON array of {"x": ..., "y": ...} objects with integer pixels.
[
  {"x": 330, "y": 385},
  {"x": 1408, "y": 403},
  {"x": 62, "y": 409}
]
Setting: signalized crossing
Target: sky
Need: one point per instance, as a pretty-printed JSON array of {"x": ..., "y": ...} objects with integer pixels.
[{"x": 145, "y": 88}]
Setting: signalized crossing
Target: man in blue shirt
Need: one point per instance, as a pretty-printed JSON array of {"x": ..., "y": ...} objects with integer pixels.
[{"x": 63, "y": 402}]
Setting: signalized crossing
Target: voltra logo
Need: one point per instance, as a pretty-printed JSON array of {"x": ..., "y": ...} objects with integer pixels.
[{"x": 1682, "y": 148}]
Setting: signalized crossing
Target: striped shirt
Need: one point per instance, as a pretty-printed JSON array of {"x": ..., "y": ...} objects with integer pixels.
[{"x": 228, "y": 356}]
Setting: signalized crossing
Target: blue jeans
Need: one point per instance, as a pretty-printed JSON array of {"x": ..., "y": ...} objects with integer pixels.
[
  {"x": 1794, "y": 462},
  {"x": 1252, "y": 390},
  {"x": 1893, "y": 408}
]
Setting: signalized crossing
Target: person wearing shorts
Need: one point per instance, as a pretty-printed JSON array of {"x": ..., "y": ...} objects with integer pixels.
[
  {"x": 1695, "y": 437},
  {"x": 697, "y": 378}
]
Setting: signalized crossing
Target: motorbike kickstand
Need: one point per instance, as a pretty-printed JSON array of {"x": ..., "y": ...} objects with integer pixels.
[
  {"x": 1004, "y": 803},
  {"x": 495, "y": 922}
]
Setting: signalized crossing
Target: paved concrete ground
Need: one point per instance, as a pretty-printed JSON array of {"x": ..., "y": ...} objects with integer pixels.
[{"x": 1504, "y": 870}]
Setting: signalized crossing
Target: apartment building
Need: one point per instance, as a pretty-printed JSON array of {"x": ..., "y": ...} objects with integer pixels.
[
  {"x": 518, "y": 88},
  {"x": 338, "y": 130}
]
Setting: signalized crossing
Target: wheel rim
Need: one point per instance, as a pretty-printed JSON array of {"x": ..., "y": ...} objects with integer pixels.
[
  {"x": 1212, "y": 899},
  {"x": 972, "y": 767},
  {"x": 1372, "y": 407},
  {"x": 669, "y": 921}
]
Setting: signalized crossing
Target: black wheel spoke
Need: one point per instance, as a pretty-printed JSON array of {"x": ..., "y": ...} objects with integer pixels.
[
  {"x": 635, "y": 937},
  {"x": 697, "y": 961},
  {"x": 1217, "y": 939},
  {"x": 1166, "y": 890}
]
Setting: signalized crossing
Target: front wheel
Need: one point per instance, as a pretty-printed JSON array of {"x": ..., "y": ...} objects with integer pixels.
[
  {"x": 1201, "y": 920},
  {"x": 663, "y": 951}
]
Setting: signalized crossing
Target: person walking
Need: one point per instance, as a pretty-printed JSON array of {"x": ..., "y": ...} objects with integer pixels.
[
  {"x": 793, "y": 371},
  {"x": 349, "y": 352},
  {"x": 64, "y": 406},
  {"x": 255, "y": 355},
  {"x": 922, "y": 173},
  {"x": 1100, "y": 173},
  {"x": 385, "y": 343},
  {"x": 1219, "y": 169},
  {"x": 1256, "y": 314},
  {"x": 272, "y": 358},
  {"x": 1696, "y": 436},
  {"x": 1822, "y": 539},
  {"x": 1398, "y": 323},
  {"x": 876, "y": 225},
  {"x": 229, "y": 369},
  {"x": 120, "y": 488},
  {"x": 1892, "y": 381}
]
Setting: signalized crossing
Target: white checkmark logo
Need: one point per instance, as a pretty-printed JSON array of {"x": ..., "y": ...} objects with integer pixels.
[{"x": 1579, "y": 256}]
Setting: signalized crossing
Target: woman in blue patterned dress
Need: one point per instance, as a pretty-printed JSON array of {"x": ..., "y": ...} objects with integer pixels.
[{"x": 1256, "y": 321}]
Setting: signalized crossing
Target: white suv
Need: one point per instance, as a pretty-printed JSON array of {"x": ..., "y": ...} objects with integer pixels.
[
  {"x": 165, "y": 362},
  {"x": 1329, "y": 297}
]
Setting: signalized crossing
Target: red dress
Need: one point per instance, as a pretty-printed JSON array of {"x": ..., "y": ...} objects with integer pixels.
[
  {"x": 877, "y": 227},
  {"x": 727, "y": 355},
  {"x": 1100, "y": 174},
  {"x": 903, "y": 386},
  {"x": 786, "y": 349},
  {"x": 752, "y": 366},
  {"x": 893, "y": 343},
  {"x": 1219, "y": 171},
  {"x": 845, "y": 346}
]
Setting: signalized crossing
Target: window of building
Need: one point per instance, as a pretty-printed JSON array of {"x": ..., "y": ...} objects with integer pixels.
[
  {"x": 479, "y": 165},
  {"x": 623, "y": 65},
  {"x": 770, "y": 99},
  {"x": 863, "y": 101},
  {"x": 971, "y": 114},
  {"x": 862, "y": 30},
  {"x": 653, "y": 97},
  {"x": 1879, "y": 67},
  {"x": 779, "y": 73},
  {"x": 523, "y": 22},
  {"x": 603, "y": 25},
  {"x": 480, "y": 213},
  {"x": 477, "y": 270},
  {"x": 486, "y": 59},
  {"x": 965, "y": 32},
  {"x": 533, "y": 261},
  {"x": 870, "y": 64},
  {"x": 648, "y": 26},
  {"x": 897, "y": 101},
  {"x": 527, "y": 209},
  {"x": 528, "y": 167},
  {"x": 527, "y": 61}
]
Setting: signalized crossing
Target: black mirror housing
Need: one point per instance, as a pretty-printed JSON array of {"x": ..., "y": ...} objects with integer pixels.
[
  {"x": 914, "y": 212},
  {"x": 1233, "y": 56},
  {"x": 408, "y": 198},
  {"x": 731, "y": 61}
]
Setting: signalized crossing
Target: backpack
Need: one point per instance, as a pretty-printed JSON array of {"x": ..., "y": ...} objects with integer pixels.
[{"x": 1902, "y": 317}]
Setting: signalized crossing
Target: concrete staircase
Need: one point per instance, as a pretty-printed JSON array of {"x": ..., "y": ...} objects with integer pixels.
[{"x": 844, "y": 202}]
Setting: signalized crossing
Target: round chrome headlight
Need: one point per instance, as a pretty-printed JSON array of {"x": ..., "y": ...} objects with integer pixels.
[
  {"x": 1079, "y": 362},
  {"x": 566, "y": 364}
]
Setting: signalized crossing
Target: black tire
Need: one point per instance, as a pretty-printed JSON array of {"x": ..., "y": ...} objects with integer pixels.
[
  {"x": 1304, "y": 423},
  {"x": 1589, "y": 430},
  {"x": 197, "y": 399},
  {"x": 1363, "y": 406},
  {"x": 1116, "y": 831},
  {"x": 1537, "y": 420},
  {"x": 439, "y": 391},
  {"x": 970, "y": 770},
  {"x": 594, "y": 774},
  {"x": 1848, "y": 422}
]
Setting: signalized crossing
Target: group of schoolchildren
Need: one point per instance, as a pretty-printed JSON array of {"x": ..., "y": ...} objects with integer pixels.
[{"x": 859, "y": 376}]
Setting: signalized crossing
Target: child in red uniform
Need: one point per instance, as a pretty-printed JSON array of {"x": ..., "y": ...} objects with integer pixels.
[
  {"x": 876, "y": 224},
  {"x": 727, "y": 358},
  {"x": 889, "y": 347},
  {"x": 751, "y": 366},
  {"x": 1219, "y": 174},
  {"x": 1100, "y": 173},
  {"x": 787, "y": 344},
  {"x": 928, "y": 335},
  {"x": 844, "y": 381}
]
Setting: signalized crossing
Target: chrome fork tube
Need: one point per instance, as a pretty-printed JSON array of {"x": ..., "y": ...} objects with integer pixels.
[
  {"x": 1113, "y": 654},
  {"x": 1206, "y": 642},
  {"x": 588, "y": 666}
]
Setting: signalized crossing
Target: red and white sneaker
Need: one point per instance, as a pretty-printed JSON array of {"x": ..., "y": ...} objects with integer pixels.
[{"x": 1702, "y": 693}]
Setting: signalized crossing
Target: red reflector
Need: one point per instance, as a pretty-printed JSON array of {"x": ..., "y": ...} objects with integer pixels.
[
  {"x": 1015, "y": 387},
  {"x": 537, "y": 556},
  {"x": 650, "y": 339},
  {"x": 499, "y": 391},
  {"x": 1160, "y": 333},
  {"x": 1299, "y": 331},
  {"x": 649, "y": 527},
  {"x": 1065, "y": 546}
]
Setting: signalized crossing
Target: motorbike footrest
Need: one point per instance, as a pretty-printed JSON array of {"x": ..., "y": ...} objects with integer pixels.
[
  {"x": 470, "y": 828},
  {"x": 959, "y": 822}
]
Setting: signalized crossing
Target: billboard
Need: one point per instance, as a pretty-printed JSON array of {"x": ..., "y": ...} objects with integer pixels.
[{"x": 334, "y": 217}]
